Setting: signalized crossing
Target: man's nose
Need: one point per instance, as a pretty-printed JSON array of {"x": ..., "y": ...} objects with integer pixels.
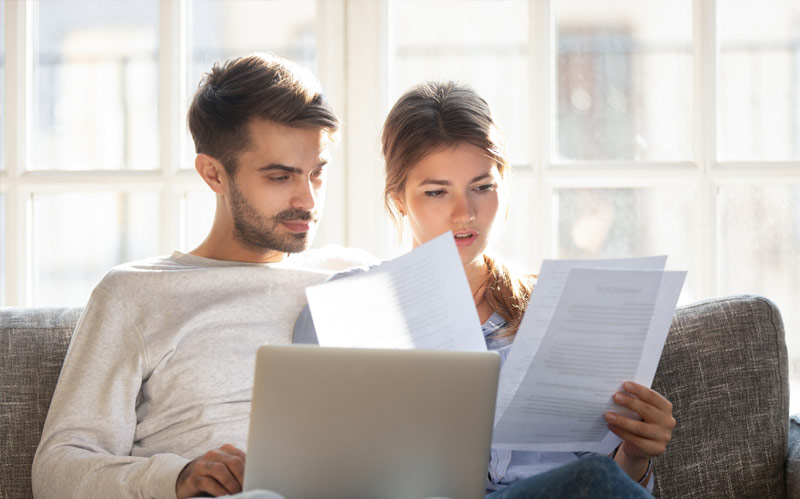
[{"x": 304, "y": 196}]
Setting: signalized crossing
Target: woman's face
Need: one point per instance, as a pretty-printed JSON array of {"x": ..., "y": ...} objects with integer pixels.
[{"x": 452, "y": 189}]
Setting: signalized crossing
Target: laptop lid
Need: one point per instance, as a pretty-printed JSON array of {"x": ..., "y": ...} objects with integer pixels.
[{"x": 371, "y": 423}]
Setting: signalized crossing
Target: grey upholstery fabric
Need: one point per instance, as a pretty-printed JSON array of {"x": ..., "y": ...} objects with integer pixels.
[
  {"x": 33, "y": 343},
  {"x": 793, "y": 458},
  {"x": 724, "y": 367}
]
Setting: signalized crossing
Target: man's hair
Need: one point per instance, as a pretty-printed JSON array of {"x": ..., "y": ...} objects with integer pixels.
[{"x": 257, "y": 86}]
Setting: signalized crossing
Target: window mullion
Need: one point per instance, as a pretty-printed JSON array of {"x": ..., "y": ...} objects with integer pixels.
[
  {"x": 19, "y": 49},
  {"x": 705, "y": 149},
  {"x": 366, "y": 106},
  {"x": 171, "y": 71},
  {"x": 542, "y": 77},
  {"x": 330, "y": 30}
]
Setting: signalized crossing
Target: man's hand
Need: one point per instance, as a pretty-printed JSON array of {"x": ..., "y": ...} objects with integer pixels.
[
  {"x": 216, "y": 473},
  {"x": 641, "y": 439}
]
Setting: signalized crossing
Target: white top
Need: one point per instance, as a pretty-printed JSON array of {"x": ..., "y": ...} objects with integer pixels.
[{"x": 160, "y": 369}]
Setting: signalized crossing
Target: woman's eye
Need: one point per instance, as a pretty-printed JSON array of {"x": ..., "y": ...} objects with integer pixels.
[
  {"x": 435, "y": 194},
  {"x": 486, "y": 187}
]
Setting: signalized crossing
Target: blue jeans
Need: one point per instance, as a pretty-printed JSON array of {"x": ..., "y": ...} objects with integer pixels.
[
  {"x": 592, "y": 477},
  {"x": 596, "y": 477}
]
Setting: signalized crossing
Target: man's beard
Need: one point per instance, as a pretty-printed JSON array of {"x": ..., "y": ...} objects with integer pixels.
[{"x": 260, "y": 233}]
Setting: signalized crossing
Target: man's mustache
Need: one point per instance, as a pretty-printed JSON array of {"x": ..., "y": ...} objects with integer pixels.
[{"x": 297, "y": 214}]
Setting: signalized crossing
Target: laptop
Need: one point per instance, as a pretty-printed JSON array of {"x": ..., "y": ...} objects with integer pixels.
[{"x": 371, "y": 423}]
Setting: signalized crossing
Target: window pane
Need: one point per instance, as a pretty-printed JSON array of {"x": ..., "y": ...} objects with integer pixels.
[
  {"x": 221, "y": 29},
  {"x": 199, "y": 209},
  {"x": 95, "y": 79},
  {"x": 514, "y": 239},
  {"x": 759, "y": 248},
  {"x": 2, "y": 87},
  {"x": 482, "y": 44},
  {"x": 624, "y": 80},
  {"x": 759, "y": 79},
  {"x": 621, "y": 223},
  {"x": 79, "y": 236},
  {"x": 3, "y": 270}
]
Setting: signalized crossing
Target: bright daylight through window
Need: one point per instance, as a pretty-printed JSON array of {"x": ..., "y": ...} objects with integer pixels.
[{"x": 635, "y": 128}]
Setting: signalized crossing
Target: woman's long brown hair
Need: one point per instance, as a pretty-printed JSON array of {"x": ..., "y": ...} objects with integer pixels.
[{"x": 439, "y": 115}]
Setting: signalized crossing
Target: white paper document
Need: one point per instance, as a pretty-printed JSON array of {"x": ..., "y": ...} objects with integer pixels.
[
  {"x": 608, "y": 327},
  {"x": 543, "y": 301},
  {"x": 419, "y": 300}
]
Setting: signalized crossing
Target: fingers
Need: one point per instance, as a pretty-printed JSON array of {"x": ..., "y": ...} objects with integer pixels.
[
  {"x": 225, "y": 469},
  {"x": 236, "y": 464},
  {"x": 206, "y": 484},
  {"x": 218, "y": 472},
  {"x": 639, "y": 432},
  {"x": 645, "y": 446},
  {"x": 648, "y": 395},
  {"x": 232, "y": 449},
  {"x": 659, "y": 412},
  {"x": 651, "y": 435}
]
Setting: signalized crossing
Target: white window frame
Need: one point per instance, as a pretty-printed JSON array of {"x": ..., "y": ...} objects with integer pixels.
[
  {"x": 169, "y": 180},
  {"x": 354, "y": 65},
  {"x": 704, "y": 174}
]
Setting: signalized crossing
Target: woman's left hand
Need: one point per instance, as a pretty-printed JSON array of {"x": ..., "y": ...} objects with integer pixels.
[{"x": 648, "y": 437}]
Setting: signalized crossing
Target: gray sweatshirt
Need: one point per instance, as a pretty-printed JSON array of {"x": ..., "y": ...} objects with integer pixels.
[{"x": 160, "y": 370}]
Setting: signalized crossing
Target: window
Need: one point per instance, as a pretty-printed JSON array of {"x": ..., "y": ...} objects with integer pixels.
[
  {"x": 101, "y": 169},
  {"x": 635, "y": 128}
]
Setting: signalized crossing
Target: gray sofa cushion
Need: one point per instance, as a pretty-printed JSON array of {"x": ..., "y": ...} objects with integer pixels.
[
  {"x": 793, "y": 458},
  {"x": 32, "y": 349},
  {"x": 724, "y": 367}
]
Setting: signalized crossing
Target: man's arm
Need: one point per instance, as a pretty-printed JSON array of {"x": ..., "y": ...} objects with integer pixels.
[{"x": 89, "y": 433}]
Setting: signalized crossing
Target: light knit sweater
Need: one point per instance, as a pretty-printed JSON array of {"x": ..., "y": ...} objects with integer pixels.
[{"x": 160, "y": 370}]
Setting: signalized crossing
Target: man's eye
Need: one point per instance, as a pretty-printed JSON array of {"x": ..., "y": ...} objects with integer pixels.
[
  {"x": 317, "y": 173},
  {"x": 279, "y": 178},
  {"x": 435, "y": 194}
]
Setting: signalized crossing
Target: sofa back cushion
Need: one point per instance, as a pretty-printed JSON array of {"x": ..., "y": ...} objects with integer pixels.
[
  {"x": 33, "y": 343},
  {"x": 724, "y": 368}
]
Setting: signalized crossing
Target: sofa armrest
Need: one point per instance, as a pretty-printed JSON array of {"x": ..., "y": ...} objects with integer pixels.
[
  {"x": 793, "y": 458},
  {"x": 33, "y": 342},
  {"x": 725, "y": 369}
]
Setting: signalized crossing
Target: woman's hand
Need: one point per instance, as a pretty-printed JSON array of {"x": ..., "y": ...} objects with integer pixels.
[{"x": 641, "y": 439}]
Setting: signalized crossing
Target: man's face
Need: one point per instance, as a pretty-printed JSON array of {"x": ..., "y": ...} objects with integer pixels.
[{"x": 276, "y": 195}]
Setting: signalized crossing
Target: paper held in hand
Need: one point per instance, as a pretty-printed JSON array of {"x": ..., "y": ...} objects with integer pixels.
[
  {"x": 590, "y": 326},
  {"x": 586, "y": 331},
  {"x": 418, "y": 300}
]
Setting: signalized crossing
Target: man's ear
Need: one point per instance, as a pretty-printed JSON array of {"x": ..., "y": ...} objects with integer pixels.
[{"x": 212, "y": 172}]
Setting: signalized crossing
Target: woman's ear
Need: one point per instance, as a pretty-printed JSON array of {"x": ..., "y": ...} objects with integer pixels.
[
  {"x": 397, "y": 199},
  {"x": 212, "y": 172}
]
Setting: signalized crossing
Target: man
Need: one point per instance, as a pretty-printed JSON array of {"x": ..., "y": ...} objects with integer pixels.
[{"x": 154, "y": 395}]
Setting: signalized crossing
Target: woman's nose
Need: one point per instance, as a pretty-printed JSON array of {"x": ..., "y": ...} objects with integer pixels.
[{"x": 463, "y": 212}]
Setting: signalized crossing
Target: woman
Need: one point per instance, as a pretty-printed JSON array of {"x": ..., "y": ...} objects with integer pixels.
[{"x": 446, "y": 170}]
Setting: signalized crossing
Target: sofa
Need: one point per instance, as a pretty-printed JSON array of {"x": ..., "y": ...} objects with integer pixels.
[{"x": 724, "y": 367}]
